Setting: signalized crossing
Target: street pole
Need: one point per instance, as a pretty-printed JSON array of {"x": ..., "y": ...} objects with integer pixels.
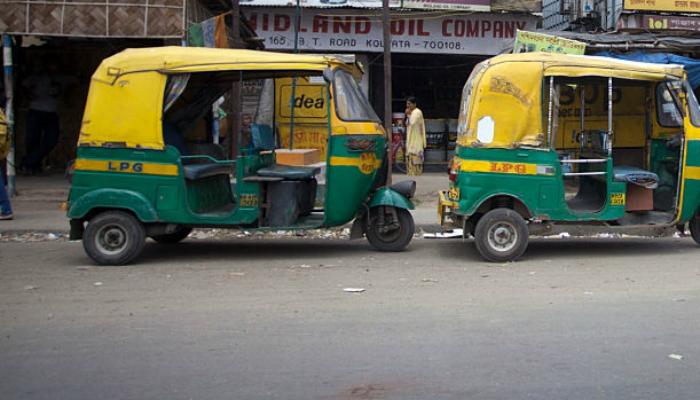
[
  {"x": 386, "y": 28},
  {"x": 235, "y": 128},
  {"x": 9, "y": 112},
  {"x": 297, "y": 25}
]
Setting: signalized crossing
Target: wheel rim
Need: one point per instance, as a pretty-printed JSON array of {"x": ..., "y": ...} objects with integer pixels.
[
  {"x": 390, "y": 236},
  {"x": 502, "y": 236},
  {"x": 111, "y": 239}
]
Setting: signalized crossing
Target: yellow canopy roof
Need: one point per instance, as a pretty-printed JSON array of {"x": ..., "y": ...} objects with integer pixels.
[
  {"x": 554, "y": 64},
  {"x": 125, "y": 103},
  {"x": 175, "y": 59},
  {"x": 507, "y": 92}
]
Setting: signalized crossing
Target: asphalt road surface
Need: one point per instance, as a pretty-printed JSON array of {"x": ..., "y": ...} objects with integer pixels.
[{"x": 251, "y": 319}]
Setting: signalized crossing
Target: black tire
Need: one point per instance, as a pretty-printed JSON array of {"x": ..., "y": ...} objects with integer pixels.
[
  {"x": 695, "y": 228},
  {"x": 176, "y": 237},
  {"x": 501, "y": 235},
  {"x": 394, "y": 240},
  {"x": 114, "y": 238}
]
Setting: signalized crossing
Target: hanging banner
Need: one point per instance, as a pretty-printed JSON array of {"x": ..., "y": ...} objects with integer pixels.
[
  {"x": 322, "y": 3},
  {"x": 465, "y": 5},
  {"x": 690, "y": 6},
  {"x": 527, "y": 42},
  {"x": 346, "y": 31}
]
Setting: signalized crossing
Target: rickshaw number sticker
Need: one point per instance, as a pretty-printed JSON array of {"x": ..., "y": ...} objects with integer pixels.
[
  {"x": 249, "y": 200},
  {"x": 617, "y": 199},
  {"x": 367, "y": 162}
]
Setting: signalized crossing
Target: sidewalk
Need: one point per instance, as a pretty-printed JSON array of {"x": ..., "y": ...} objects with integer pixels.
[{"x": 37, "y": 207}]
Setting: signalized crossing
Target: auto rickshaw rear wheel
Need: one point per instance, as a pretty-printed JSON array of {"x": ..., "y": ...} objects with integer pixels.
[
  {"x": 176, "y": 237},
  {"x": 694, "y": 226},
  {"x": 114, "y": 238},
  {"x": 501, "y": 235},
  {"x": 390, "y": 232}
]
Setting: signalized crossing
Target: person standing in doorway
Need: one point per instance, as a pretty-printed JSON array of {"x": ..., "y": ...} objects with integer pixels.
[
  {"x": 415, "y": 138},
  {"x": 44, "y": 90}
]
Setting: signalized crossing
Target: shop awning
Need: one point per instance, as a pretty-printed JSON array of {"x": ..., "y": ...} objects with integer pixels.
[{"x": 691, "y": 66}]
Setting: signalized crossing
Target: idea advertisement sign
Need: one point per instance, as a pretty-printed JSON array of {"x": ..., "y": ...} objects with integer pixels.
[{"x": 346, "y": 31}]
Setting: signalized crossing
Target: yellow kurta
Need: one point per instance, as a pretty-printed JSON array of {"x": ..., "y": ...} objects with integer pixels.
[
  {"x": 415, "y": 133},
  {"x": 415, "y": 143}
]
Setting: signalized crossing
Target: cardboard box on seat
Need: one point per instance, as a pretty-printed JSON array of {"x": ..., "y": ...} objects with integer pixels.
[{"x": 298, "y": 156}]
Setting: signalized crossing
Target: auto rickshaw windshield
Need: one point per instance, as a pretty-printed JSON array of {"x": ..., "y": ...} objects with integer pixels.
[{"x": 350, "y": 102}]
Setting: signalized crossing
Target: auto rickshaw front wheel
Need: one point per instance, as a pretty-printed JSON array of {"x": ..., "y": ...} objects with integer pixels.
[
  {"x": 390, "y": 228},
  {"x": 501, "y": 235},
  {"x": 694, "y": 226},
  {"x": 114, "y": 238}
]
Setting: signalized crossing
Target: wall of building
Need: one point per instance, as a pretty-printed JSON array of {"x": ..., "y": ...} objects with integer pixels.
[{"x": 552, "y": 19}]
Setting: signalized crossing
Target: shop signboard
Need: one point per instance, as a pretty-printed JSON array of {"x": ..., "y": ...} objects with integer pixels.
[
  {"x": 670, "y": 22},
  {"x": 689, "y": 6},
  {"x": 342, "y": 30},
  {"x": 464, "y": 5},
  {"x": 322, "y": 3},
  {"x": 526, "y": 42}
]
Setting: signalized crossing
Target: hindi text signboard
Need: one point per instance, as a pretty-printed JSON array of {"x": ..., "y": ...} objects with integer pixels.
[{"x": 526, "y": 42}]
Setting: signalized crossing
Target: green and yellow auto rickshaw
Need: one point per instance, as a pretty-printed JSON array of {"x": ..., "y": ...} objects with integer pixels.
[
  {"x": 148, "y": 164},
  {"x": 550, "y": 139}
]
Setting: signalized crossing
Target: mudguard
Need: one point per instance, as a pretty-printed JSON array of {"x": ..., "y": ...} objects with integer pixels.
[
  {"x": 387, "y": 196},
  {"x": 115, "y": 199}
]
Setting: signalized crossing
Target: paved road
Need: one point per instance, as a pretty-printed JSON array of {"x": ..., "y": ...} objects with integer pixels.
[{"x": 247, "y": 319}]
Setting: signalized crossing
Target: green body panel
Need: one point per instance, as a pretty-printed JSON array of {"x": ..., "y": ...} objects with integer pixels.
[
  {"x": 390, "y": 197},
  {"x": 691, "y": 192},
  {"x": 347, "y": 187},
  {"x": 129, "y": 191},
  {"x": 172, "y": 199},
  {"x": 161, "y": 198},
  {"x": 543, "y": 195},
  {"x": 114, "y": 199}
]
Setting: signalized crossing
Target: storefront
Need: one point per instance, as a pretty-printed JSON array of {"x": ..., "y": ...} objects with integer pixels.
[{"x": 433, "y": 52}]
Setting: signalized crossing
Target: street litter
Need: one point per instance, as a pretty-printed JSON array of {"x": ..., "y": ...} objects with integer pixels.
[
  {"x": 455, "y": 233},
  {"x": 429, "y": 280},
  {"x": 588, "y": 293},
  {"x": 236, "y": 273},
  {"x": 97, "y": 283},
  {"x": 31, "y": 287},
  {"x": 353, "y": 290},
  {"x": 675, "y": 356}
]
